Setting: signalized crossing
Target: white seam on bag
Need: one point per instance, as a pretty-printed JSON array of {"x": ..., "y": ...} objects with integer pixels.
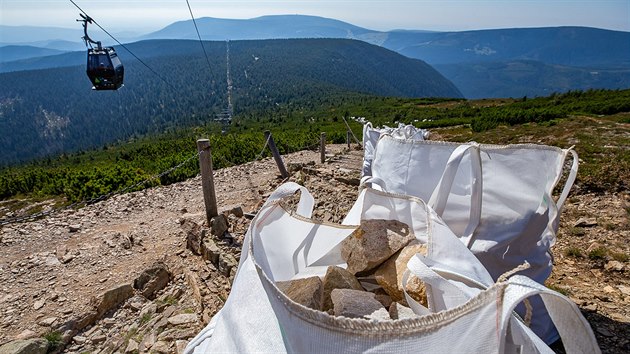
[
  {"x": 483, "y": 146},
  {"x": 504, "y": 277}
]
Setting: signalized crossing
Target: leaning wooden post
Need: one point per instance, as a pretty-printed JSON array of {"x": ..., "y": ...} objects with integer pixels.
[
  {"x": 276, "y": 154},
  {"x": 322, "y": 147},
  {"x": 207, "y": 180}
]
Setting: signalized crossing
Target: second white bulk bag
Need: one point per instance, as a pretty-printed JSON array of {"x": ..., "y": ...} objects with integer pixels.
[
  {"x": 372, "y": 134},
  {"x": 496, "y": 198}
]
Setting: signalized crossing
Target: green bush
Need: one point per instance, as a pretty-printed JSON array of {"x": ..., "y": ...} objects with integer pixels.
[
  {"x": 598, "y": 253},
  {"x": 54, "y": 340}
]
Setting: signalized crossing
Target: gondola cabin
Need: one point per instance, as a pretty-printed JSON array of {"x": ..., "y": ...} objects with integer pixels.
[{"x": 104, "y": 69}]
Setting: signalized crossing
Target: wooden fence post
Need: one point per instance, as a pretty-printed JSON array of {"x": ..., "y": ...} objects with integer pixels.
[
  {"x": 207, "y": 180},
  {"x": 348, "y": 138},
  {"x": 322, "y": 147},
  {"x": 276, "y": 154}
]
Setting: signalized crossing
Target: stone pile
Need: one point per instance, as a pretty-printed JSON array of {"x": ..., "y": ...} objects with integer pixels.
[
  {"x": 214, "y": 244},
  {"x": 371, "y": 286}
]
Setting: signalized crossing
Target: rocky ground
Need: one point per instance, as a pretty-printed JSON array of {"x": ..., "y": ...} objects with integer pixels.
[{"x": 131, "y": 274}]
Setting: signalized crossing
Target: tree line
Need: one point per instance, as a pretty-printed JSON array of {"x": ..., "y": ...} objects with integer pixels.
[{"x": 89, "y": 174}]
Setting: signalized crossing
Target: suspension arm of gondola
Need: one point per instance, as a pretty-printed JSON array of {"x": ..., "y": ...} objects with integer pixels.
[{"x": 87, "y": 19}]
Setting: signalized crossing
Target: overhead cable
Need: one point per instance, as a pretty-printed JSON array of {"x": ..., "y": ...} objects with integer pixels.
[{"x": 198, "y": 35}]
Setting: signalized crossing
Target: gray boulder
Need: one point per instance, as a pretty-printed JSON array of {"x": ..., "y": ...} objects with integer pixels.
[{"x": 28, "y": 346}]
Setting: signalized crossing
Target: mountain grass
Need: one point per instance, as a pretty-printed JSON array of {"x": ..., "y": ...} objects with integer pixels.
[{"x": 599, "y": 138}]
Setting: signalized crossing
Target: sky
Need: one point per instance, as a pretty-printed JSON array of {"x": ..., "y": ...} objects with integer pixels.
[{"x": 143, "y": 16}]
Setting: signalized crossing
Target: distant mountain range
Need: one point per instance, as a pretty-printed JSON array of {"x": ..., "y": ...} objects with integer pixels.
[
  {"x": 265, "y": 27},
  {"x": 64, "y": 39},
  {"x": 521, "y": 78},
  {"x": 26, "y": 34},
  {"x": 569, "y": 55},
  {"x": 19, "y": 52}
]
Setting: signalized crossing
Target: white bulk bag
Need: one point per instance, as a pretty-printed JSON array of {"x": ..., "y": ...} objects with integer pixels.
[
  {"x": 454, "y": 276},
  {"x": 247, "y": 323},
  {"x": 371, "y": 136},
  {"x": 496, "y": 198},
  {"x": 257, "y": 317}
]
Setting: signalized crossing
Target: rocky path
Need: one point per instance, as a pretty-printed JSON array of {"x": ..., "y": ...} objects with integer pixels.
[
  {"x": 54, "y": 272},
  {"x": 130, "y": 275}
]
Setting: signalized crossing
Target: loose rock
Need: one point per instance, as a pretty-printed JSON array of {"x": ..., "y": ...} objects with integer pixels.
[
  {"x": 132, "y": 347},
  {"x": 615, "y": 266},
  {"x": 354, "y": 303},
  {"x": 26, "y": 346},
  {"x": 112, "y": 298},
  {"x": 390, "y": 274},
  {"x": 219, "y": 225},
  {"x": 400, "y": 312},
  {"x": 47, "y": 322},
  {"x": 337, "y": 278},
  {"x": 182, "y": 319},
  {"x": 193, "y": 235},
  {"x": 152, "y": 280},
  {"x": 373, "y": 242},
  {"x": 305, "y": 291},
  {"x": 585, "y": 222},
  {"x": 39, "y": 304},
  {"x": 26, "y": 334}
]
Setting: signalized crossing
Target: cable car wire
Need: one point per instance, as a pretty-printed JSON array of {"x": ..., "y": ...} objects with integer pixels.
[
  {"x": 198, "y": 35},
  {"x": 122, "y": 45}
]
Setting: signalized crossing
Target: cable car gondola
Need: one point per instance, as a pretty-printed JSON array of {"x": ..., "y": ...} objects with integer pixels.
[{"x": 104, "y": 68}]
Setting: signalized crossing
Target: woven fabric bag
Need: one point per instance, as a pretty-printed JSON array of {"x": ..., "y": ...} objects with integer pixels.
[
  {"x": 258, "y": 317},
  {"x": 247, "y": 322},
  {"x": 496, "y": 198},
  {"x": 371, "y": 136}
]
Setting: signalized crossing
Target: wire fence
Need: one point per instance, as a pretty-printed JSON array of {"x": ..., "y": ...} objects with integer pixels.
[
  {"x": 261, "y": 155},
  {"x": 350, "y": 130},
  {"x": 288, "y": 150},
  {"x": 227, "y": 163},
  {"x": 46, "y": 213}
]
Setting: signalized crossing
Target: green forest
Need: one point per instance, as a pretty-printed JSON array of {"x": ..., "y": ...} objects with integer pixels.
[
  {"x": 90, "y": 174},
  {"x": 50, "y": 111}
]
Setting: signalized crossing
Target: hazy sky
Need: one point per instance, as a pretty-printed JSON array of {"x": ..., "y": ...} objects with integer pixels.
[{"x": 149, "y": 15}]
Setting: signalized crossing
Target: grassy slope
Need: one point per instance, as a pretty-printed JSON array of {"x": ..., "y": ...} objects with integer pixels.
[{"x": 601, "y": 141}]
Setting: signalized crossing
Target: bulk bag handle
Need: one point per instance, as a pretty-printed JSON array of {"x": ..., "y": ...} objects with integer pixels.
[
  {"x": 570, "y": 179},
  {"x": 440, "y": 194},
  {"x": 304, "y": 208},
  {"x": 306, "y": 203},
  {"x": 577, "y": 336}
]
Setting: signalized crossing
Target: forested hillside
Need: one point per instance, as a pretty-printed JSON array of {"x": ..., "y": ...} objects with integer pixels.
[
  {"x": 264, "y": 27},
  {"x": 91, "y": 174},
  {"x": 530, "y": 78},
  {"x": 505, "y": 62},
  {"x": 268, "y": 72},
  {"x": 53, "y": 110}
]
